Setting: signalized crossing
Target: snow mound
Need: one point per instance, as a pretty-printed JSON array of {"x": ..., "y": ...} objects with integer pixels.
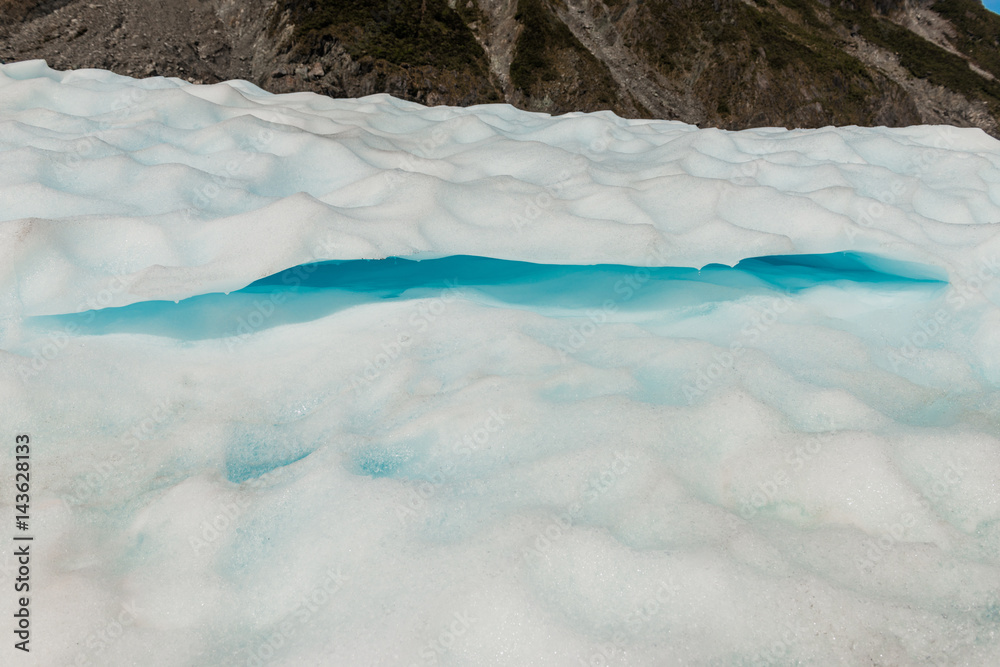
[
  {"x": 360, "y": 382},
  {"x": 169, "y": 187}
]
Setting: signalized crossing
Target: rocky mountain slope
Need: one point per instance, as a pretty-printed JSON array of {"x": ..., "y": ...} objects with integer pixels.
[{"x": 725, "y": 63}]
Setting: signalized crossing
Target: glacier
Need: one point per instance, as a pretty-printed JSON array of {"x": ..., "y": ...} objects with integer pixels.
[{"x": 360, "y": 382}]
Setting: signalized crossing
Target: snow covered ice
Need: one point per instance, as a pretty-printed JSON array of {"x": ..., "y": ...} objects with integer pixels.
[{"x": 360, "y": 382}]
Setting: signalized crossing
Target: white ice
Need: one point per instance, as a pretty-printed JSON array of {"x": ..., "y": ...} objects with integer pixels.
[{"x": 586, "y": 460}]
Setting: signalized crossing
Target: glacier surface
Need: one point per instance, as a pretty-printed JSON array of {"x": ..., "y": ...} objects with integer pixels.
[{"x": 360, "y": 382}]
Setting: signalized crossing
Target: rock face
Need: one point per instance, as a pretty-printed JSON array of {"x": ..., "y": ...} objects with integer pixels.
[{"x": 725, "y": 63}]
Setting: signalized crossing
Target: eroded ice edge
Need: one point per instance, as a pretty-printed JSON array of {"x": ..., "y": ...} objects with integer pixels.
[{"x": 361, "y": 382}]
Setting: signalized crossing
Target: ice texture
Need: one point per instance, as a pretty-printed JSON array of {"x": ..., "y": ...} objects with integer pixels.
[{"x": 361, "y": 382}]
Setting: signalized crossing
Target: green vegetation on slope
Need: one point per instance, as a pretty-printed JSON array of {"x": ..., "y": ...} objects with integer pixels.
[
  {"x": 978, "y": 31},
  {"x": 546, "y": 52},
  {"x": 923, "y": 59},
  {"x": 402, "y": 32},
  {"x": 542, "y": 32},
  {"x": 772, "y": 61},
  {"x": 786, "y": 43},
  {"x": 740, "y": 42}
]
